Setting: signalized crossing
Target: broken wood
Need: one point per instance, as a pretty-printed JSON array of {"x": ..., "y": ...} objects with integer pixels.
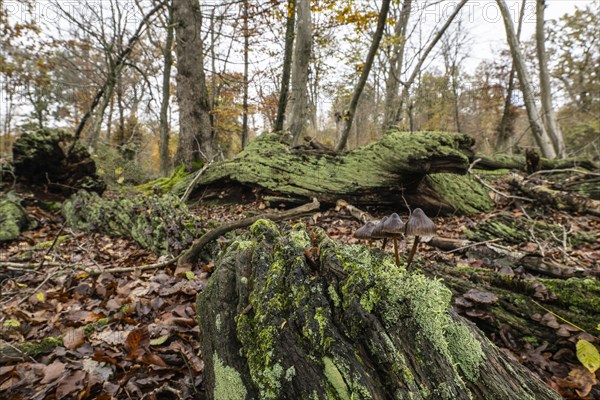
[
  {"x": 191, "y": 255},
  {"x": 350, "y": 325},
  {"x": 424, "y": 169}
]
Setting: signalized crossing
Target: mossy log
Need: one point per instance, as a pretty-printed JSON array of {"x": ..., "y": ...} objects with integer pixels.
[
  {"x": 292, "y": 315},
  {"x": 518, "y": 162},
  {"x": 13, "y": 218},
  {"x": 41, "y": 157},
  {"x": 162, "y": 224},
  {"x": 421, "y": 168}
]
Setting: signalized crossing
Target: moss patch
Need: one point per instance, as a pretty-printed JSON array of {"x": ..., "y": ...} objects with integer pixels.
[
  {"x": 462, "y": 192},
  {"x": 13, "y": 218}
]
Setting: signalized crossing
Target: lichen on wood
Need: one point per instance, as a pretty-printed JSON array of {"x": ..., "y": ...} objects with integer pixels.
[
  {"x": 386, "y": 172},
  {"x": 162, "y": 224},
  {"x": 13, "y": 218},
  {"x": 351, "y": 326}
]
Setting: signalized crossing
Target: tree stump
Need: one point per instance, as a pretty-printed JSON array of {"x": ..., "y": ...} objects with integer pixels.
[
  {"x": 41, "y": 157},
  {"x": 293, "y": 315}
]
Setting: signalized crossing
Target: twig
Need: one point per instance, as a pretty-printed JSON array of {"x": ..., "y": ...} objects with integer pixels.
[
  {"x": 50, "y": 276},
  {"x": 191, "y": 254},
  {"x": 474, "y": 244},
  {"x": 554, "y": 171},
  {"x": 188, "y": 190},
  {"x": 62, "y": 227},
  {"x": 119, "y": 270},
  {"x": 508, "y": 196},
  {"x": 559, "y": 317}
]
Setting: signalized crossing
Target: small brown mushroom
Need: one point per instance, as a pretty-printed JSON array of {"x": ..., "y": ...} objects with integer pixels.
[
  {"x": 378, "y": 232},
  {"x": 481, "y": 297},
  {"x": 394, "y": 228},
  {"x": 419, "y": 226},
  {"x": 365, "y": 232}
]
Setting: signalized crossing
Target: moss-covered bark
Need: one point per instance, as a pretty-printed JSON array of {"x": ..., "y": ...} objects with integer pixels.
[
  {"x": 13, "y": 218},
  {"x": 381, "y": 173},
  {"x": 517, "y": 162},
  {"x": 41, "y": 157},
  {"x": 160, "y": 223},
  {"x": 286, "y": 315}
]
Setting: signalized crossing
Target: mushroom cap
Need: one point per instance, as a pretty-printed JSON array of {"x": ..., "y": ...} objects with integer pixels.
[
  {"x": 393, "y": 226},
  {"x": 481, "y": 297},
  {"x": 365, "y": 231},
  {"x": 419, "y": 224},
  {"x": 378, "y": 230}
]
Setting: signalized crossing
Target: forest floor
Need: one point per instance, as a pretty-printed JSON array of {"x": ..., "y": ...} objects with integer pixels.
[{"x": 134, "y": 335}]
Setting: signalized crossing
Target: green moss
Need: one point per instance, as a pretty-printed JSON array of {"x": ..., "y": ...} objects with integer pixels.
[
  {"x": 89, "y": 328},
  {"x": 13, "y": 218},
  {"x": 163, "y": 185},
  {"x": 48, "y": 244},
  {"x": 465, "y": 194},
  {"x": 579, "y": 295},
  {"x": 228, "y": 382},
  {"x": 335, "y": 379}
]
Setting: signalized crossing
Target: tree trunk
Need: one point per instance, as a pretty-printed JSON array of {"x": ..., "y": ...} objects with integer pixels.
[
  {"x": 245, "y": 100},
  {"x": 423, "y": 58},
  {"x": 195, "y": 127},
  {"x": 539, "y": 133},
  {"x": 506, "y": 127},
  {"x": 165, "y": 162},
  {"x": 550, "y": 122},
  {"x": 395, "y": 68},
  {"x": 362, "y": 81},
  {"x": 302, "y": 50},
  {"x": 418, "y": 168},
  {"x": 294, "y": 315},
  {"x": 92, "y": 138},
  {"x": 287, "y": 66}
]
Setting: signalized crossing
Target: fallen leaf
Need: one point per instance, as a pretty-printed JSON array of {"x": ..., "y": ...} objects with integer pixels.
[
  {"x": 73, "y": 338},
  {"x": 70, "y": 384},
  {"x": 53, "y": 371},
  {"x": 588, "y": 355}
]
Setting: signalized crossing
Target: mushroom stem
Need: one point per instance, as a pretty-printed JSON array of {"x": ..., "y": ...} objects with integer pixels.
[
  {"x": 412, "y": 251},
  {"x": 396, "y": 251},
  {"x": 384, "y": 243}
]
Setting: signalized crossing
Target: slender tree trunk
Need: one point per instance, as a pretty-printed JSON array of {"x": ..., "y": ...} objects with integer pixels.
[
  {"x": 245, "y": 101},
  {"x": 120, "y": 139},
  {"x": 395, "y": 68},
  {"x": 423, "y": 58},
  {"x": 504, "y": 129},
  {"x": 287, "y": 65},
  {"x": 195, "y": 125},
  {"x": 94, "y": 134},
  {"x": 362, "y": 81},
  {"x": 299, "y": 95},
  {"x": 548, "y": 114},
  {"x": 165, "y": 162},
  {"x": 539, "y": 133}
]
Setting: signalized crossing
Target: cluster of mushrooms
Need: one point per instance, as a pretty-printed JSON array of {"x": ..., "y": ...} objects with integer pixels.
[{"x": 392, "y": 227}]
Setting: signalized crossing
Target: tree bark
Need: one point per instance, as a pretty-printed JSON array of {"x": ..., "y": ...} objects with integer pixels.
[
  {"x": 302, "y": 49},
  {"x": 165, "y": 162},
  {"x": 539, "y": 133},
  {"x": 507, "y": 123},
  {"x": 550, "y": 122},
  {"x": 195, "y": 125},
  {"x": 395, "y": 68},
  {"x": 291, "y": 314},
  {"x": 287, "y": 66},
  {"x": 349, "y": 114},
  {"x": 246, "y": 51}
]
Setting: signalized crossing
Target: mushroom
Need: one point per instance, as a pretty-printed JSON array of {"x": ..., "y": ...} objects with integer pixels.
[
  {"x": 378, "y": 232},
  {"x": 365, "y": 232},
  {"x": 394, "y": 228},
  {"x": 419, "y": 226}
]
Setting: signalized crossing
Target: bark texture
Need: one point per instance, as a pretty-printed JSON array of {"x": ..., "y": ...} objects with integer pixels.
[
  {"x": 418, "y": 167},
  {"x": 292, "y": 315},
  {"x": 195, "y": 126},
  {"x": 165, "y": 162},
  {"x": 302, "y": 50},
  {"x": 287, "y": 65}
]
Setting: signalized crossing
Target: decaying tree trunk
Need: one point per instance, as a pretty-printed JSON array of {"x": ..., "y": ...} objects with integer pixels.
[
  {"x": 159, "y": 223},
  {"x": 419, "y": 168},
  {"x": 43, "y": 158},
  {"x": 293, "y": 315},
  {"x": 13, "y": 218}
]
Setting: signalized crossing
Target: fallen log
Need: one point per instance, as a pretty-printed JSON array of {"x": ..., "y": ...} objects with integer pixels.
[
  {"x": 292, "y": 315},
  {"x": 420, "y": 168},
  {"x": 162, "y": 224},
  {"x": 13, "y": 217},
  {"x": 560, "y": 200},
  {"x": 519, "y": 163}
]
